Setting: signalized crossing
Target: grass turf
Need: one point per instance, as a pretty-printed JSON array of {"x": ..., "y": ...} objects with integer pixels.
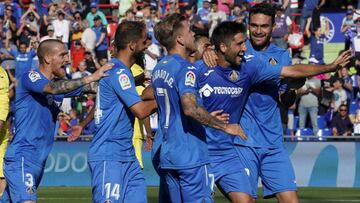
[{"x": 306, "y": 195}]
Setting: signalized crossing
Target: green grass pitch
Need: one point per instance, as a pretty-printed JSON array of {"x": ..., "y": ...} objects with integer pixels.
[{"x": 306, "y": 195}]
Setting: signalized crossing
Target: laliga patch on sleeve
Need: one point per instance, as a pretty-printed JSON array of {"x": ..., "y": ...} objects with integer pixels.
[
  {"x": 34, "y": 76},
  {"x": 190, "y": 79},
  {"x": 124, "y": 81}
]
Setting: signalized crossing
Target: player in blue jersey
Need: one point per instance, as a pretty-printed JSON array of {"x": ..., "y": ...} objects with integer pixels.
[
  {"x": 261, "y": 116},
  {"x": 183, "y": 154},
  {"x": 116, "y": 175},
  {"x": 38, "y": 98}
]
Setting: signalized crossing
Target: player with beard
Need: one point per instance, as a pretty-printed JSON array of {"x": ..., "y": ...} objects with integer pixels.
[
  {"x": 38, "y": 98},
  {"x": 263, "y": 153},
  {"x": 183, "y": 154},
  {"x": 116, "y": 175}
]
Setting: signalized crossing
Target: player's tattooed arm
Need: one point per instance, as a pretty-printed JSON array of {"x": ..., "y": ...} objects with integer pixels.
[
  {"x": 91, "y": 88},
  {"x": 195, "y": 111},
  {"x": 63, "y": 86}
]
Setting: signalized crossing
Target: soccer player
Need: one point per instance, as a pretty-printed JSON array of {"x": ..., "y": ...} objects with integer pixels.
[
  {"x": 271, "y": 64},
  {"x": 183, "y": 154},
  {"x": 38, "y": 98},
  {"x": 116, "y": 175}
]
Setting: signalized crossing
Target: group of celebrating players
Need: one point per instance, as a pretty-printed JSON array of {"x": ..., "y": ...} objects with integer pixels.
[{"x": 241, "y": 83}]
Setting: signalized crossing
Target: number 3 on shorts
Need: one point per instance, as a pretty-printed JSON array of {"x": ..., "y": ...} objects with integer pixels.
[{"x": 29, "y": 180}]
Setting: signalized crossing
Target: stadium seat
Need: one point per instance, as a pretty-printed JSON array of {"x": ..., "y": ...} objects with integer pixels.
[
  {"x": 353, "y": 107},
  {"x": 302, "y": 134},
  {"x": 321, "y": 122},
  {"x": 326, "y": 132}
]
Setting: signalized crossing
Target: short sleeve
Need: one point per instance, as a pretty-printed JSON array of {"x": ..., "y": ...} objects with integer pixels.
[
  {"x": 287, "y": 62},
  {"x": 264, "y": 71},
  {"x": 33, "y": 81},
  {"x": 124, "y": 86},
  {"x": 187, "y": 79},
  {"x": 103, "y": 30}
]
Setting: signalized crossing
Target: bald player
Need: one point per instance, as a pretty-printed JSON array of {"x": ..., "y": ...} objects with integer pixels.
[{"x": 38, "y": 98}]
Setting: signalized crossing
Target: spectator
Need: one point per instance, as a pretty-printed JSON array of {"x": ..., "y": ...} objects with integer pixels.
[
  {"x": 82, "y": 71},
  {"x": 326, "y": 94},
  {"x": 204, "y": 11},
  {"x": 31, "y": 18},
  {"x": 239, "y": 14},
  {"x": 51, "y": 15},
  {"x": 93, "y": 13},
  {"x": 339, "y": 94},
  {"x": 357, "y": 123},
  {"x": 88, "y": 38},
  {"x": 309, "y": 104},
  {"x": 23, "y": 58},
  {"x": 341, "y": 124},
  {"x": 64, "y": 124},
  {"x": 152, "y": 54},
  {"x": 50, "y": 33},
  {"x": 62, "y": 28},
  {"x": 282, "y": 29},
  {"x": 101, "y": 46},
  {"x": 10, "y": 22},
  {"x": 346, "y": 24},
  {"x": 348, "y": 83},
  {"x": 24, "y": 34},
  {"x": 307, "y": 11},
  {"x": 225, "y": 5},
  {"x": 215, "y": 16},
  {"x": 90, "y": 62},
  {"x": 355, "y": 42},
  {"x": 77, "y": 55},
  {"x": 195, "y": 20},
  {"x": 317, "y": 41},
  {"x": 16, "y": 10}
]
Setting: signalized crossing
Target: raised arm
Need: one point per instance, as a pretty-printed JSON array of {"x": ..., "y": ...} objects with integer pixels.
[{"x": 302, "y": 70}]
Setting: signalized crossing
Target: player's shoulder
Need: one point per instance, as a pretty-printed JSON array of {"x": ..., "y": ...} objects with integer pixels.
[{"x": 33, "y": 76}]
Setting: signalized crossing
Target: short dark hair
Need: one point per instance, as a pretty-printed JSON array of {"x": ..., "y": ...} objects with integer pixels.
[
  {"x": 127, "y": 32},
  {"x": 166, "y": 30},
  {"x": 264, "y": 8},
  {"x": 46, "y": 47},
  {"x": 225, "y": 32}
]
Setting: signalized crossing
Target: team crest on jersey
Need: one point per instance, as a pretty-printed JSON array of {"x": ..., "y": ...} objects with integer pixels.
[
  {"x": 30, "y": 190},
  {"x": 234, "y": 75},
  {"x": 190, "y": 79},
  {"x": 273, "y": 61},
  {"x": 124, "y": 81},
  {"x": 34, "y": 76}
]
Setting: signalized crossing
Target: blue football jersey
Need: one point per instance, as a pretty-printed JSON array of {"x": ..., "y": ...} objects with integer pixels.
[
  {"x": 35, "y": 117},
  {"x": 113, "y": 118},
  {"x": 261, "y": 119},
  {"x": 228, "y": 89},
  {"x": 23, "y": 61},
  {"x": 184, "y": 140}
]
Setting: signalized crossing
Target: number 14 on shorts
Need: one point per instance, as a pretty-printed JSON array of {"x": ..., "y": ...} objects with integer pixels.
[{"x": 112, "y": 191}]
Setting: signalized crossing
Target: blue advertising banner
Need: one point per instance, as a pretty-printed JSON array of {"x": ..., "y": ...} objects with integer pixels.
[
  {"x": 331, "y": 26},
  {"x": 317, "y": 164}
]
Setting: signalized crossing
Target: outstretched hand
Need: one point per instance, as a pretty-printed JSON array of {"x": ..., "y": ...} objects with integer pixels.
[
  {"x": 343, "y": 59},
  {"x": 75, "y": 133},
  {"x": 235, "y": 129},
  {"x": 148, "y": 144},
  {"x": 101, "y": 72}
]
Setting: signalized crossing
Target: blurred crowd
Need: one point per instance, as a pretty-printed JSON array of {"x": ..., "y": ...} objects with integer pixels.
[{"x": 330, "y": 101}]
